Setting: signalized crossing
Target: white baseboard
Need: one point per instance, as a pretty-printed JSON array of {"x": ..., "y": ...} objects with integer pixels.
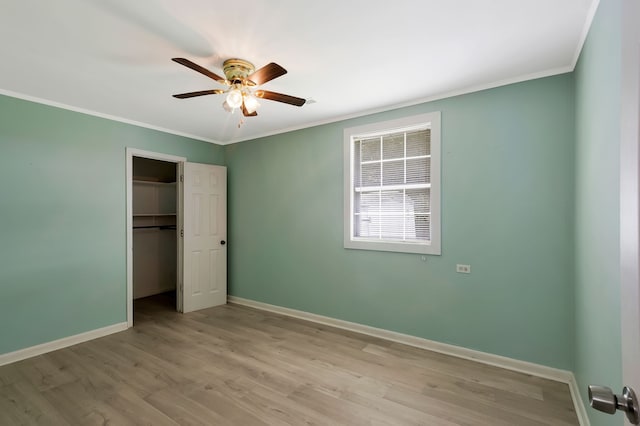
[
  {"x": 43, "y": 348},
  {"x": 538, "y": 370}
]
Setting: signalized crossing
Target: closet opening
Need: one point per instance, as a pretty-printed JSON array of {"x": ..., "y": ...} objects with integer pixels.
[{"x": 153, "y": 209}]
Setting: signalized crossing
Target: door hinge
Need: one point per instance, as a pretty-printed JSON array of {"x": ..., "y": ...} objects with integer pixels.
[
  {"x": 182, "y": 233},
  {"x": 181, "y": 178}
]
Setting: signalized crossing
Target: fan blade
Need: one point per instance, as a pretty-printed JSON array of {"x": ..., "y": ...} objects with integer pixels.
[
  {"x": 187, "y": 63},
  {"x": 279, "y": 97},
  {"x": 200, "y": 93},
  {"x": 267, "y": 73},
  {"x": 246, "y": 113}
]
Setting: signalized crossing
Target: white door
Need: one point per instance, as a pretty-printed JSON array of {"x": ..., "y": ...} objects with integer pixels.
[
  {"x": 629, "y": 221},
  {"x": 204, "y": 265},
  {"x": 630, "y": 196}
]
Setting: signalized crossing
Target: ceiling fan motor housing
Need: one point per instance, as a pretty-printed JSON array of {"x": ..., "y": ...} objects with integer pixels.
[{"x": 237, "y": 70}]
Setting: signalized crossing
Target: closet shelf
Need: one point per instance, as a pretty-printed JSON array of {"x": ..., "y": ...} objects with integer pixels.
[
  {"x": 152, "y": 214},
  {"x": 160, "y": 227},
  {"x": 152, "y": 182}
]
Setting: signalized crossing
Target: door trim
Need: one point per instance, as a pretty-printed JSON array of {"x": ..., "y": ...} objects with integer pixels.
[{"x": 130, "y": 153}]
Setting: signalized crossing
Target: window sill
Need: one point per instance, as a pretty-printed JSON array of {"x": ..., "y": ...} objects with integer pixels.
[{"x": 398, "y": 247}]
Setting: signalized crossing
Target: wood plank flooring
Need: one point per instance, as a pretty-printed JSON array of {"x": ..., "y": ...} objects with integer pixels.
[{"x": 233, "y": 365}]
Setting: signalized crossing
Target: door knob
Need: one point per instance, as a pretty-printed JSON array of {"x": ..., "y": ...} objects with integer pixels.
[
  {"x": 223, "y": 242},
  {"x": 603, "y": 399}
]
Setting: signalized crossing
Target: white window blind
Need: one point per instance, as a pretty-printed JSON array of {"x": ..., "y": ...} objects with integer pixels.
[{"x": 390, "y": 188}]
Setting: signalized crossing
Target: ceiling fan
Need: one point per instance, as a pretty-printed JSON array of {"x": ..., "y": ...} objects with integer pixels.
[{"x": 242, "y": 81}]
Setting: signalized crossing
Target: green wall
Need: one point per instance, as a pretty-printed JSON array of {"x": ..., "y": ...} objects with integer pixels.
[
  {"x": 507, "y": 173},
  {"x": 62, "y": 214},
  {"x": 597, "y": 287},
  {"x": 530, "y": 200}
]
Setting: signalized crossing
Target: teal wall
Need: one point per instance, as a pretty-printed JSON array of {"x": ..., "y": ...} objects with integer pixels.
[
  {"x": 597, "y": 286},
  {"x": 530, "y": 200},
  {"x": 507, "y": 173},
  {"x": 62, "y": 215}
]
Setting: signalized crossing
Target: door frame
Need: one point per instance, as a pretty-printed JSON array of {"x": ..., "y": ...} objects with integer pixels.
[
  {"x": 630, "y": 194},
  {"x": 134, "y": 152}
]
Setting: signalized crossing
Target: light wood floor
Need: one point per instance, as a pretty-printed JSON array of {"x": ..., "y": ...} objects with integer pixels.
[{"x": 235, "y": 365}]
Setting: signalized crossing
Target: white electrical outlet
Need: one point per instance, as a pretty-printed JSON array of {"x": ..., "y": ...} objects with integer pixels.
[{"x": 463, "y": 269}]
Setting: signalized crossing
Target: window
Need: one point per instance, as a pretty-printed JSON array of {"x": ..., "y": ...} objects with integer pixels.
[{"x": 392, "y": 185}]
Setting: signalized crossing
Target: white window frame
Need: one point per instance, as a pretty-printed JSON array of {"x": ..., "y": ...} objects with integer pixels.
[{"x": 432, "y": 120}]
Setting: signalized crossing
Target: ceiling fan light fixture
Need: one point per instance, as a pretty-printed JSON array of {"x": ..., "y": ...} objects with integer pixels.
[
  {"x": 234, "y": 98},
  {"x": 251, "y": 103}
]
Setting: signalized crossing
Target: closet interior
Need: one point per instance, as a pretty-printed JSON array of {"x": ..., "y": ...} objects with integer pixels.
[{"x": 154, "y": 198}]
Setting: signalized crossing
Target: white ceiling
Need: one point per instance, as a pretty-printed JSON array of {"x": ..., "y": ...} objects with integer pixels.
[{"x": 112, "y": 57}]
